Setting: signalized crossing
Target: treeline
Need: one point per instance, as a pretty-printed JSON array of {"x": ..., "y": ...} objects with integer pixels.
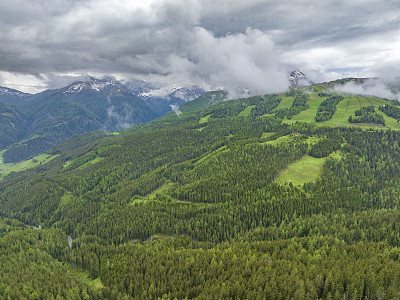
[
  {"x": 391, "y": 111},
  {"x": 326, "y": 146},
  {"x": 327, "y": 108},
  {"x": 265, "y": 107},
  {"x": 299, "y": 104},
  {"x": 232, "y": 108},
  {"x": 367, "y": 114}
]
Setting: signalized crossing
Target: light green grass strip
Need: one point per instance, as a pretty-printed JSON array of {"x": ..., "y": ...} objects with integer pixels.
[
  {"x": 90, "y": 162},
  {"x": 209, "y": 155},
  {"x": 285, "y": 103},
  {"x": 24, "y": 165},
  {"x": 246, "y": 112},
  {"x": 267, "y": 135},
  {"x": 282, "y": 139},
  {"x": 309, "y": 114},
  {"x": 162, "y": 190}
]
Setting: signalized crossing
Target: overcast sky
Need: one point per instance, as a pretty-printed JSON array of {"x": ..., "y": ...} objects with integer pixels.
[{"x": 214, "y": 43}]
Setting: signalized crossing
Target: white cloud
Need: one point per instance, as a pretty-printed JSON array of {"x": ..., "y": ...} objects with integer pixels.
[
  {"x": 198, "y": 40},
  {"x": 372, "y": 87}
]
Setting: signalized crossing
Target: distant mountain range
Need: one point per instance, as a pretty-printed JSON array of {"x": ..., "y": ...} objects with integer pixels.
[{"x": 31, "y": 124}]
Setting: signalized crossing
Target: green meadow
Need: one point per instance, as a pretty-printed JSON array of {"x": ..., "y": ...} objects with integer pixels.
[
  {"x": 307, "y": 169},
  {"x": 23, "y": 165},
  {"x": 344, "y": 110}
]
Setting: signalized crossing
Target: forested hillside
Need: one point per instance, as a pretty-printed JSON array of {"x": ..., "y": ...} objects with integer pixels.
[{"x": 268, "y": 197}]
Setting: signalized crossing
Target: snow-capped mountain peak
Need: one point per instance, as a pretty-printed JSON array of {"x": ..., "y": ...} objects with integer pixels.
[
  {"x": 187, "y": 93},
  {"x": 142, "y": 89},
  {"x": 92, "y": 84},
  {"x": 298, "y": 79},
  {"x": 12, "y": 93},
  {"x": 162, "y": 91}
]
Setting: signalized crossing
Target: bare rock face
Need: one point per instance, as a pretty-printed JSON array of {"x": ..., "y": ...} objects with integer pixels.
[{"x": 298, "y": 79}]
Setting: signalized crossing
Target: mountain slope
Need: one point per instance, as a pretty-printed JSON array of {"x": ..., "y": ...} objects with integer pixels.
[
  {"x": 212, "y": 197},
  {"x": 13, "y": 125},
  {"x": 110, "y": 101},
  {"x": 51, "y": 122},
  {"x": 52, "y": 116},
  {"x": 13, "y": 97}
]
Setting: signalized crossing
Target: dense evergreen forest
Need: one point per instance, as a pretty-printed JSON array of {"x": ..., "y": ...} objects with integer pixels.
[
  {"x": 367, "y": 115},
  {"x": 327, "y": 107},
  {"x": 193, "y": 206}
]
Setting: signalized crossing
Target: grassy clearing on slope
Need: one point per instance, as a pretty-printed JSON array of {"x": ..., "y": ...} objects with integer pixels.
[
  {"x": 282, "y": 139},
  {"x": 318, "y": 88},
  {"x": 84, "y": 278},
  {"x": 207, "y": 156},
  {"x": 246, "y": 112},
  {"x": 266, "y": 135},
  {"x": 91, "y": 162},
  {"x": 389, "y": 121},
  {"x": 365, "y": 102},
  {"x": 204, "y": 119},
  {"x": 307, "y": 169},
  {"x": 292, "y": 137},
  {"x": 285, "y": 103},
  {"x": 24, "y": 165},
  {"x": 162, "y": 190},
  {"x": 308, "y": 115},
  {"x": 344, "y": 109},
  {"x": 349, "y": 105}
]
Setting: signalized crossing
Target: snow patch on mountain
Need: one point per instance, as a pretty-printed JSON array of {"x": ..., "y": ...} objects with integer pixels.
[
  {"x": 12, "y": 93},
  {"x": 147, "y": 90},
  {"x": 174, "y": 91},
  {"x": 137, "y": 87},
  {"x": 188, "y": 93},
  {"x": 161, "y": 92},
  {"x": 140, "y": 88},
  {"x": 90, "y": 84},
  {"x": 75, "y": 88}
]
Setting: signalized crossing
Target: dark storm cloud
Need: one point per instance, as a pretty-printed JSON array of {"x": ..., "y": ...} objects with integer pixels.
[{"x": 232, "y": 44}]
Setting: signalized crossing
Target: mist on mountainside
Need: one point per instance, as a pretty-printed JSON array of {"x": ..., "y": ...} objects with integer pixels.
[{"x": 382, "y": 88}]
